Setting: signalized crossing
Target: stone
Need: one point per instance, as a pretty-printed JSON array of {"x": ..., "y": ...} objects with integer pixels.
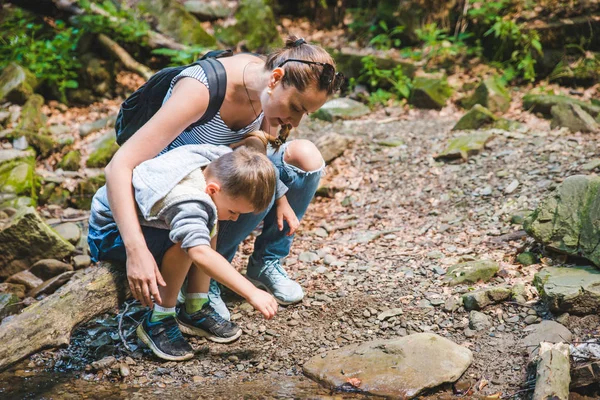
[
  {"x": 18, "y": 177},
  {"x": 308, "y": 257},
  {"x": 95, "y": 126},
  {"x": 9, "y": 304},
  {"x": 104, "y": 149},
  {"x": 512, "y": 186},
  {"x": 17, "y": 84},
  {"x": 574, "y": 118},
  {"x": 59, "y": 129},
  {"x": 208, "y": 10},
  {"x": 81, "y": 261},
  {"x": 478, "y": 321},
  {"x": 13, "y": 155},
  {"x": 464, "y": 146},
  {"x": 591, "y": 165},
  {"x": 491, "y": 94},
  {"x": 566, "y": 220},
  {"x": 49, "y": 268},
  {"x": 479, "y": 299},
  {"x": 69, "y": 231},
  {"x": 574, "y": 290},
  {"x": 553, "y": 372},
  {"x": 545, "y": 331},
  {"x": 396, "y": 368},
  {"x": 71, "y": 161},
  {"x": 531, "y": 319},
  {"x": 25, "y": 278},
  {"x": 51, "y": 285},
  {"x": 543, "y": 103},
  {"x": 341, "y": 108},
  {"x": 28, "y": 238},
  {"x": 14, "y": 288},
  {"x": 331, "y": 145},
  {"x": 86, "y": 188},
  {"x": 527, "y": 258},
  {"x": 430, "y": 92},
  {"x": 471, "y": 271},
  {"x": 392, "y": 312},
  {"x": 477, "y": 117}
]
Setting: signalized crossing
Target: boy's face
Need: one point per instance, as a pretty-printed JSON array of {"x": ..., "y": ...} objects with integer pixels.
[{"x": 228, "y": 208}]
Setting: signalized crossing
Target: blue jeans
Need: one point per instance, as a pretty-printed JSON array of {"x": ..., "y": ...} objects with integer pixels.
[{"x": 272, "y": 243}]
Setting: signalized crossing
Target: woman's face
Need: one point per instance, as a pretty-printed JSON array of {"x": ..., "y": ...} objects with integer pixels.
[{"x": 287, "y": 105}]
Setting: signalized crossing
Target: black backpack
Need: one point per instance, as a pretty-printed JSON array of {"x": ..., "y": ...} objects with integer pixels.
[{"x": 145, "y": 102}]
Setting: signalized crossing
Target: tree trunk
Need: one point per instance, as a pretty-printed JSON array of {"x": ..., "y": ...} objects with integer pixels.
[{"x": 49, "y": 323}]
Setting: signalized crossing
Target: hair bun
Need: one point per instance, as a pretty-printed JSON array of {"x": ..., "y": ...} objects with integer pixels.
[{"x": 294, "y": 41}]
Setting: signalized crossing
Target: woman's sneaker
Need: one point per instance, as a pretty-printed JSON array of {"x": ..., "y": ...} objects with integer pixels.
[
  {"x": 272, "y": 277},
  {"x": 208, "y": 323},
  {"x": 164, "y": 338}
]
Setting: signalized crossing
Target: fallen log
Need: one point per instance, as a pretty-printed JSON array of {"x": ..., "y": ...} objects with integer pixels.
[
  {"x": 129, "y": 62},
  {"x": 49, "y": 323}
]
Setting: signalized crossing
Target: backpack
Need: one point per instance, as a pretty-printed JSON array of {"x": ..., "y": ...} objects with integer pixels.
[{"x": 138, "y": 108}]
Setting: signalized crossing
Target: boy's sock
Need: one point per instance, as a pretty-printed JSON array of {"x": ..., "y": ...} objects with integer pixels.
[
  {"x": 195, "y": 301},
  {"x": 159, "y": 313}
]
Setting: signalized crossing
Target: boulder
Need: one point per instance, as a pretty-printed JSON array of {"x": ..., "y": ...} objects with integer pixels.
[
  {"x": 430, "y": 93},
  {"x": 464, "y": 146},
  {"x": 33, "y": 127},
  {"x": 104, "y": 149},
  {"x": 13, "y": 155},
  {"x": 91, "y": 127},
  {"x": 476, "y": 118},
  {"x": 573, "y": 290},
  {"x": 18, "y": 177},
  {"x": 174, "y": 20},
  {"x": 331, "y": 145},
  {"x": 51, "y": 285},
  {"x": 527, "y": 258},
  {"x": 71, "y": 161},
  {"x": 491, "y": 94},
  {"x": 49, "y": 268},
  {"x": 543, "y": 103},
  {"x": 81, "y": 261},
  {"x": 208, "y": 10},
  {"x": 27, "y": 238},
  {"x": 573, "y": 117},
  {"x": 14, "y": 288},
  {"x": 481, "y": 298},
  {"x": 471, "y": 271},
  {"x": 545, "y": 331},
  {"x": 479, "y": 321},
  {"x": 396, "y": 368},
  {"x": 16, "y": 84},
  {"x": 25, "y": 278},
  {"x": 567, "y": 220},
  {"x": 341, "y": 108},
  {"x": 69, "y": 231}
]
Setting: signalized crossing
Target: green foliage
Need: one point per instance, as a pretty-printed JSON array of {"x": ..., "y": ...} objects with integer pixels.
[
  {"x": 487, "y": 11},
  {"x": 439, "y": 47},
  {"x": 375, "y": 77},
  {"x": 181, "y": 57},
  {"x": 47, "y": 51},
  {"x": 387, "y": 38}
]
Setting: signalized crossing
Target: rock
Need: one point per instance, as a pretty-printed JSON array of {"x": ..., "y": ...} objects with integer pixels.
[
  {"x": 81, "y": 261},
  {"x": 519, "y": 293},
  {"x": 17, "y": 84},
  {"x": 491, "y": 94},
  {"x": 91, "y": 127},
  {"x": 51, "y": 285},
  {"x": 591, "y": 165},
  {"x": 104, "y": 363},
  {"x": 33, "y": 127},
  {"x": 430, "y": 93},
  {"x": 464, "y": 146},
  {"x": 71, "y": 161},
  {"x": 341, "y": 108},
  {"x": 69, "y": 231},
  {"x": 527, "y": 258},
  {"x": 543, "y": 103},
  {"x": 28, "y": 238},
  {"x": 471, "y": 271},
  {"x": 86, "y": 188},
  {"x": 566, "y": 220},
  {"x": 477, "y": 117},
  {"x": 175, "y": 21},
  {"x": 573, "y": 290},
  {"x": 512, "y": 186},
  {"x": 13, "y": 155},
  {"x": 18, "y": 177},
  {"x": 481, "y": 298},
  {"x": 331, "y": 145},
  {"x": 104, "y": 149},
  {"x": 9, "y": 304},
  {"x": 553, "y": 372},
  {"x": 397, "y": 368},
  {"x": 49, "y": 268},
  {"x": 531, "y": 319},
  {"x": 546, "y": 331},
  {"x": 208, "y": 10},
  {"x": 392, "y": 312},
  {"x": 308, "y": 257},
  {"x": 14, "y": 288},
  {"x": 478, "y": 321},
  {"x": 59, "y": 129},
  {"x": 452, "y": 304},
  {"x": 25, "y": 278},
  {"x": 573, "y": 117}
]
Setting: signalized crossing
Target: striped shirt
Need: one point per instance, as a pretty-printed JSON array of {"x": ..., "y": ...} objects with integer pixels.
[{"x": 214, "y": 131}]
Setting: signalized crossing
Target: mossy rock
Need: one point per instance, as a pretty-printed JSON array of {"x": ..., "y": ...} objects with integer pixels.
[
  {"x": 17, "y": 84},
  {"x": 491, "y": 94},
  {"x": 543, "y": 103},
  {"x": 174, "y": 20},
  {"x": 105, "y": 149},
  {"x": 341, "y": 108},
  {"x": 480, "y": 299},
  {"x": 208, "y": 11},
  {"x": 573, "y": 290},
  {"x": 43, "y": 144},
  {"x": 566, "y": 221},
  {"x": 464, "y": 146},
  {"x": 527, "y": 258},
  {"x": 70, "y": 161},
  {"x": 29, "y": 239},
  {"x": 32, "y": 117},
  {"x": 506, "y": 125},
  {"x": 573, "y": 117},
  {"x": 19, "y": 177},
  {"x": 9, "y": 304},
  {"x": 81, "y": 198},
  {"x": 471, "y": 272},
  {"x": 430, "y": 93},
  {"x": 476, "y": 118}
]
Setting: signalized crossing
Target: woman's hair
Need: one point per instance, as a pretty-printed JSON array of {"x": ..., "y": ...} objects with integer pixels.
[{"x": 245, "y": 173}]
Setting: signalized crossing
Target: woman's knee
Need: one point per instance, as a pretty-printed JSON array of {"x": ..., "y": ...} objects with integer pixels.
[{"x": 303, "y": 154}]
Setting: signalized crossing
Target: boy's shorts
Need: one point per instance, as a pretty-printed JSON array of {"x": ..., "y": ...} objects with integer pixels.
[{"x": 108, "y": 245}]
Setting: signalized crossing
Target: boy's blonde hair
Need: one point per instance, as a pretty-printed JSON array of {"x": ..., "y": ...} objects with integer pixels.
[{"x": 246, "y": 173}]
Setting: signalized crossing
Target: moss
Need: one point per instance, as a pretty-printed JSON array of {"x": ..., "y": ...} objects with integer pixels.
[
  {"x": 32, "y": 118},
  {"x": 543, "y": 103},
  {"x": 70, "y": 161},
  {"x": 527, "y": 258},
  {"x": 492, "y": 94},
  {"x": 102, "y": 155},
  {"x": 18, "y": 177},
  {"x": 475, "y": 118},
  {"x": 17, "y": 84},
  {"x": 464, "y": 146},
  {"x": 471, "y": 271},
  {"x": 85, "y": 190},
  {"x": 430, "y": 93}
]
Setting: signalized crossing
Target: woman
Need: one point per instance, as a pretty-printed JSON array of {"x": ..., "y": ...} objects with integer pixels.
[{"x": 261, "y": 94}]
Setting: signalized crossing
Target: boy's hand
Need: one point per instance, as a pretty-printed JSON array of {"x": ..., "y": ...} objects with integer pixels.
[
  {"x": 263, "y": 302},
  {"x": 286, "y": 213},
  {"x": 144, "y": 277}
]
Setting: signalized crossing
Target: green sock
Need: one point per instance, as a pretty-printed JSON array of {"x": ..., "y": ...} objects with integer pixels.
[
  {"x": 195, "y": 301},
  {"x": 159, "y": 313}
]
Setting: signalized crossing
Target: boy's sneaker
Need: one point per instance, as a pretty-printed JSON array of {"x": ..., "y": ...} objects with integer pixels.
[
  {"x": 164, "y": 338},
  {"x": 214, "y": 296},
  {"x": 273, "y": 278},
  {"x": 208, "y": 323}
]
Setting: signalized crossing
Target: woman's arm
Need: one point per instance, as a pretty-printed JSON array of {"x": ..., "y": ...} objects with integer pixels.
[{"x": 186, "y": 105}]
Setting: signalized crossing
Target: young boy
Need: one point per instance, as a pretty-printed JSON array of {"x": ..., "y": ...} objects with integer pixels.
[{"x": 180, "y": 196}]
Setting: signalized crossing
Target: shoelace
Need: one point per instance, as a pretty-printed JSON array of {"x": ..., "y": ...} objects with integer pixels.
[
  {"x": 173, "y": 332},
  {"x": 271, "y": 265},
  {"x": 215, "y": 315}
]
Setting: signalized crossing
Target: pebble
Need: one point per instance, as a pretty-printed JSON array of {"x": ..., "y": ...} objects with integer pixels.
[
  {"x": 308, "y": 257},
  {"x": 512, "y": 187},
  {"x": 531, "y": 319},
  {"x": 81, "y": 261},
  {"x": 328, "y": 259}
]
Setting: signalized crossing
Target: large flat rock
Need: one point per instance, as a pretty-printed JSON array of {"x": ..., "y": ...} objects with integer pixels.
[
  {"x": 573, "y": 290},
  {"x": 398, "y": 368}
]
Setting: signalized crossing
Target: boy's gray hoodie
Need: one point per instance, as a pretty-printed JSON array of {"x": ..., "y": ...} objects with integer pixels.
[{"x": 187, "y": 212}]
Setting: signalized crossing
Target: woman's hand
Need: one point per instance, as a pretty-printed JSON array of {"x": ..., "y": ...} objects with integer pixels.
[
  {"x": 144, "y": 277},
  {"x": 285, "y": 213}
]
